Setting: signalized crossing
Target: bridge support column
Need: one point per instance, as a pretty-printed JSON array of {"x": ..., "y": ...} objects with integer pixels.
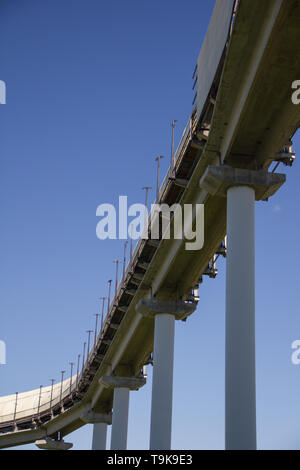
[
  {"x": 100, "y": 422},
  {"x": 165, "y": 314},
  {"x": 241, "y": 187},
  {"x": 122, "y": 387},
  {"x": 120, "y": 421},
  {"x": 240, "y": 408},
  {"x": 99, "y": 436}
]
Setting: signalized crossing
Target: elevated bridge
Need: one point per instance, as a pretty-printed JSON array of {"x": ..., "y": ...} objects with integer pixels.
[{"x": 242, "y": 124}]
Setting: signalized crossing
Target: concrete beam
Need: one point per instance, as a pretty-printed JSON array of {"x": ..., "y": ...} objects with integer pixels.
[
  {"x": 152, "y": 307},
  {"x": 18, "y": 438},
  {"x": 51, "y": 444},
  {"x": 218, "y": 179},
  {"x": 131, "y": 383}
]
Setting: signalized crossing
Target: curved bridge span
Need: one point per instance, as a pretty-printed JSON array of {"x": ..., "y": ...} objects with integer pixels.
[{"x": 243, "y": 120}]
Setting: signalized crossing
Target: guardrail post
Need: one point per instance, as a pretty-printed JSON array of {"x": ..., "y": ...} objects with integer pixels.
[{"x": 15, "y": 412}]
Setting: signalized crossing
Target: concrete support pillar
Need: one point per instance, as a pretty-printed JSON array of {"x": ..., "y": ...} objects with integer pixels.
[
  {"x": 122, "y": 387},
  {"x": 99, "y": 436},
  {"x": 240, "y": 391},
  {"x": 100, "y": 422},
  {"x": 165, "y": 314},
  {"x": 162, "y": 382},
  {"x": 241, "y": 187},
  {"x": 120, "y": 419}
]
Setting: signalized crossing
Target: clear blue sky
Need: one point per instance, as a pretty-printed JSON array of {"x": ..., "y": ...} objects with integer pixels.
[{"x": 92, "y": 88}]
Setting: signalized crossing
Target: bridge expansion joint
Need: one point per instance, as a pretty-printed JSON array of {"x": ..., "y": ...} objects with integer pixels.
[
  {"x": 217, "y": 180},
  {"x": 153, "y": 307}
]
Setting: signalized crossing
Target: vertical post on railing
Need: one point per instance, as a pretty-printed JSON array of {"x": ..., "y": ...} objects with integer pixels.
[
  {"x": 83, "y": 356},
  {"x": 77, "y": 377},
  {"x": 116, "y": 261},
  {"x": 146, "y": 188},
  {"x": 102, "y": 314},
  {"x": 124, "y": 258},
  {"x": 108, "y": 301},
  {"x": 61, "y": 386},
  {"x": 72, "y": 365},
  {"x": 96, "y": 328},
  {"x": 172, "y": 145},
  {"x": 51, "y": 395},
  {"x": 89, "y": 338},
  {"x": 15, "y": 412},
  {"x": 131, "y": 244},
  {"x": 158, "y": 174},
  {"x": 39, "y": 403}
]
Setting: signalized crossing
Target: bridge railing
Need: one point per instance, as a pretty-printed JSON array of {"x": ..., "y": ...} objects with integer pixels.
[
  {"x": 186, "y": 137},
  {"x": 37, "y": 402}
]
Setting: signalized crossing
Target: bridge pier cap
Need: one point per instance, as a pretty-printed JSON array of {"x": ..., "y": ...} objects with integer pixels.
[
  {"x": 51, "y": 444},
  {"x": 152, "y": 307},
  {"x": 217, "y": 180},
  {"x": 132, "y": 383}
]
